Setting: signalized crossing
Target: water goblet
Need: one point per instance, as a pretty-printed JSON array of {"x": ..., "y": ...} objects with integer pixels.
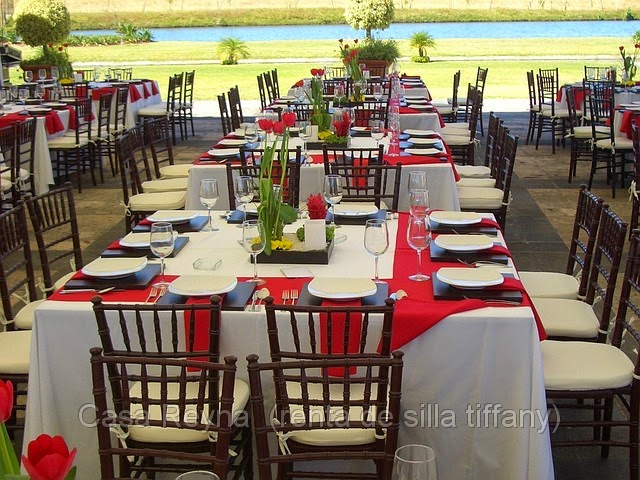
[
  {"x": 332, "y": 192},
  {"x": 251, "y": 133},
  {"x": 377, "y": 91},
  {"x": 40, "y": 91},
  {"x": 376, "y": 240},
  {"x": 209, "y": 197},
  {"x": 304, "y": 132},
  {"x": 253, "y": 241},
  {"x": 28, "y": 76},
  {"x": 417, "y": 180},
  {"x": 96, "y": 74},
  {"x": 415, "y": 462},
  {"x": 243, "y": 191},
  {"x": 198, "y": 475},
  {"x": 340, "y": 93},
  {"x": 23, "y": 94},
  {"x": 55, "y": 74},
  {"x": 418, "y": 237},
  {"x": 42, "y": 74},
  {"x": 377, "y": 131},
  {"x": 419, "y": 203},
  {"x": 161, "y": 241},
  {"x": 3, "y": 98},
  {"x": 13, "y": 93}
]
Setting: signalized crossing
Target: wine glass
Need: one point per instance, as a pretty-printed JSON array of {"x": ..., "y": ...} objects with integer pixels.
[
  {"x": 209, "y": 197},
  {"x": 253, "y": 241},
  {"x": 418, "y": 237},
  {"x": 413, "y": 462},
  {"x": 340, "y": 93},
  {"x": 250, "y": 133},
  {"x": 243, "y": 192},
  {"x": 419, "y": 203},
  {"x": 377, "y": 131},
  {"x": 332, "y": 193},
  {"x": 377, "y": 91},
  {"x": 376, "y": 240},
  {"x": 42, "y": 74},
  {"x": 55, "y": 74},
  {"x": 23, "y": 94},
  {"x": 161, "y": 242},
  {"x": 304, "y": 132},
  {"x": 3, "y": 98},
  {"x": 417, "y": 180},
  {"x": 96, "y": 74},
  {"x": 28, "y": 76},
  {"x": 198, "y": 475},
  {"x": 40, "y": 91}
]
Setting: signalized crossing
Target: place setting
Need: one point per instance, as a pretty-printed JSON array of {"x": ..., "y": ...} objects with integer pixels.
[
  {"x": 323, "y": 290},
  {"x": 183, "y": 221}
]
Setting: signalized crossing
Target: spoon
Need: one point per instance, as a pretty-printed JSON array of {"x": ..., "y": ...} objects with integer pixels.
[{"x": 262, "y": 294}]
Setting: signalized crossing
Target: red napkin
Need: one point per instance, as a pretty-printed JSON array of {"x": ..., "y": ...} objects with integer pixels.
[
  {"x": 200, "y": 327},
  {"x": 53, "y": 123},
  {"x": 96, "y": 92},
  {"x": 627, "y": 120},
  {"x": 337, "y": 338},
  {"x": 145, "y": 90},
  {"x": 407, "y": 110},
  {"x": 154, "y": 88},
  {"x": 134, "y": 94}
]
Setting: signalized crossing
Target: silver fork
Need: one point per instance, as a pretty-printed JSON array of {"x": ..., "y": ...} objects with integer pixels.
[
  {"x": 482, "y": 263},
  {"x": 153, "y": 293},
  {"x": 294, "y": 296},
  {"x": 285, "y": 296}
]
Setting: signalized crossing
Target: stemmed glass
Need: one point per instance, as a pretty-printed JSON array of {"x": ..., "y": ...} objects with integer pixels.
[
  {"x": 96, "y": 74},
  {"x": 417, "y": 180},
  {"x": 3, "y": 98},
  {"x": 251, "y": 133},
  {"x": 376, "y": 240},
  {"x": 199, "y": 475},
  {"x": 419, "y": 203},
  {"x": 40, "y": 91},
  {"x": 340, "y": 93},
  {"x": 161, "y": 242},
  {"x": 418, "y": 237},
  {"x": 413, "y": 462},
  {"x": 377, "y": 91},
  {"x": 42, "y": 74},
  {"x": 304, "y": 132},
  {"x": 55, "y": 74},
  {"x": 332, "y": 193},
  {"x": 244, "y": 193},
  {"x": 209, "y": 197},
  {"x": 28, "y": 76},
  {"x": 253, "y": 241},
  {"x": 377, "y": 131},
  {"x": 23, "y": 94}
]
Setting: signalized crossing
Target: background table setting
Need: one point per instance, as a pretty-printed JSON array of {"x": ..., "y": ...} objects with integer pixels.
[
  {"x": 142, "y": 93},
  {"x": 456, "y": 348}
]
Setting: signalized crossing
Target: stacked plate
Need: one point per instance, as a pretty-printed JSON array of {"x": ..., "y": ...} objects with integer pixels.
[
  {"x": 464, "y": 243},
  {"x": 341, "y": 288},
  {"x": 202, "y": 285},
  {"x": 114, "y": 267},
  {"x": 470, "y": 277}
]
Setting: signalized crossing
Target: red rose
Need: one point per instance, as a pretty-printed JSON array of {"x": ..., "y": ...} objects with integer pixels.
[
  {"x": 289, "y": 119},
  {"x": 48, "y": 458},
  {"x": 6, "y": 400},
  {"x": 265, "y": 125}
]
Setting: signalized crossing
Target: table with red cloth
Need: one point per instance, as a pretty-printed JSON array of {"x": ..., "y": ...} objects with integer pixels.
[
  {"x": 471, "y": 382},
  {"x": 142, "y": 93},
  {"x": 628, "y": 118}
]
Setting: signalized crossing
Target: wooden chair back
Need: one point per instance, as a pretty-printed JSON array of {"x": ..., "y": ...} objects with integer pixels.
[
  {"x": 25, "y": 137},
  {"x": 158, "y": 135},
  {"x": 225, "y": 118},
  {"x": 270, "y": 89},
  {"x": 275, "y": 82},
  {"x": 262, "y": 92},
  {"x": 635, "y": 187},
  {"x": 492, "y": 130},
  {"x": 10, "y": 194},
  {"x": 235, "y": 107},
  {"x": 365, "y": 112},
  {"x": 120, "y": 113}
]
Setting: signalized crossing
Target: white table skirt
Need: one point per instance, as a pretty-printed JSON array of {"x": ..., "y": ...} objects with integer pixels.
[
  {"x": 487, "y": 359},
  {"x": 420, "y": 121}
]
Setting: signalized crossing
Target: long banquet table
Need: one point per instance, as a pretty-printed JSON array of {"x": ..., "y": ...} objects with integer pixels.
[{"x": 456, "y": 373}]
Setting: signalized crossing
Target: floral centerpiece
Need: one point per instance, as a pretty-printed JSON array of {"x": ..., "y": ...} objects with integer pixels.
[
  {"x": 320, "y": 116},
  {"x": 350, "y": 60},
  {"x": 317, "y": 209},
  {"x": 48, "y": 458},
  {"x": 273, "y": 212},
  {"x": 628, "y": 64}
]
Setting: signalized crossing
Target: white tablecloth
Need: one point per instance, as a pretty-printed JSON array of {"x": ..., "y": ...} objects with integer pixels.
[{"x": 486, "y": 360}]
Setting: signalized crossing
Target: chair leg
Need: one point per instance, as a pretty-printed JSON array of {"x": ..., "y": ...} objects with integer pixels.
[{"x": 539, "y": 135}]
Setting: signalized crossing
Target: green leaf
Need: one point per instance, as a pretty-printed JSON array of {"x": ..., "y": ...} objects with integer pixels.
[
  {"x": 8, "y": 460},
  {"x": 287, "y": 213},
  {"x": 72, "y": 474}
]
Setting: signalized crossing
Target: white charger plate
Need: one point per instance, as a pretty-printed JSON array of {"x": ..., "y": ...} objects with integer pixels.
[
  {"x": 355, "y": 209},
  {"x": 421, "y": 101},
  {"x": 423, "y": 141},
  {"x": 470, "y": 277},
  {"x": 455, "y": 218},
  {"x": 341, "y": 288},
  {"x": 173, "y": 216},
  {"x": 360, "y": 129},
  {"x": 418, "y": 106},
  {"x": 423, "y": 151},
  {"x": 136, "y": 240},
  {"x": 464, "y": 243},
  {"x": 232, "y": 141},
  {"x": 224, "y": 152},
  {"x": 114, "y": 267},
  {"x": 419, "y": 133},
  {"x": 201, "y": 285}
]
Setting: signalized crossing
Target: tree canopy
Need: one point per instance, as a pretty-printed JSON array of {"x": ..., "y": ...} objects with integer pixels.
[{"x": 369, "y": 15}]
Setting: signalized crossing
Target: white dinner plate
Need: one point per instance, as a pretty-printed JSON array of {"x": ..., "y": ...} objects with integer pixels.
[
  {"x": 114, "y": 267},
  {"x": 54, "y": 104},
  {"x": 38, "y": 110},
  {"x": 421, "y": 107},
  {"x": 136, "y": 240},
  {"x": 421, "y": 101},
  {"x": 232, "y": 141},
  {"x": 173, "y": 216},
  {"x": 455, "y": 218},
  {"x": 341, "y": 288},
  {"x": 288, "y": 97},
  {"x": 200, "y": 285},
  {"x": 223, "y": 152},
  {"x": 239, "y": 132},
  {"x": 415, "y": 97},
  {"x": 463, "y": 243},
  {"x": 470, "y": 277},
  {"x": 419, "y": 133},
  {"x": 423, "y": 141},
  {"x": 360, "y": 129},
  {"x": 355, "y": 209},
  {"x": 423, "y": 151}
]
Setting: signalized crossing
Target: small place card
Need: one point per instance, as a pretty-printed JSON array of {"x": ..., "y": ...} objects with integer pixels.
[{"x": 315, "y": 234}]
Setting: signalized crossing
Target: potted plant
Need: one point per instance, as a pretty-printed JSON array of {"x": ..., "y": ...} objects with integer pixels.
[
  {"x": 45, "y": 25},
  {"x": 378, "y": 53}
]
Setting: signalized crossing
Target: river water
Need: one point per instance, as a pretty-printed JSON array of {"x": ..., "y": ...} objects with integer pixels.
[{"x": 571, "y": 29}]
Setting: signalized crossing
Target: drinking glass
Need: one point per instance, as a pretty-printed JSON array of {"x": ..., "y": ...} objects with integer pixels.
[
  {"x": 42, "y": 74},
  {"x": 199, "y": 475},
  {"x": 209, "y": 198},
  {"x": 251, "y": 133},
  {"x": 304, "y": 132},
  {"x": 55, "y": 74},
  {"x": 419, "y": 203},
  {"x": 253, "y": 241},
  {"x": 162, "y": 243},
  {"x": 417, "y": 180},
  {"x": 377, "y": 91},
  {"x": 415, "y": 462},
  {"x": 244, "y": 193},
  {"x": 23, "y": 94},
  {"x": 332, "y": 192},
  {"x": 28, "y": 76},
  {"x": 3, "y": 98},
  {"x": 40, "y": 91},
  {"x": 377, "y": 131},
  {"x": 376, "y": 240},
  {"x": 340, "y": 93},
  {"x": 96, "y": 74},
  {"x": 418, "y": 237}
]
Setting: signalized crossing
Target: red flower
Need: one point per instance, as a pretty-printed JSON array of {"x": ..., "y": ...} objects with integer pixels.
[
  {"x": 353, "y": 53},
  {"x": 321, "y": 72},
  {"x": 637, "y": 45},
  {"x": 346, "y": 46},
  {"x": 48, "y": 458},
  {"x": 289, "y": 119},
  {"x": 314, "y": 72},
  {"x": 51, "y": 45},
  {"x": 265, "y": 125},
  {"x": 6, "y": 400},
  {"x": 346, "y": 60},
  {"x": 355, "y": 41},
  {"x": 278, "y": 128},
  {"x": 340, "y": 40},
  {"x": 65, "y": 45},
  {"x": 299, "y": 83},
  {"x": 621, "y": 48},
  {"x": 59, "y": 49},
  {"x": 316, "y": 206}
]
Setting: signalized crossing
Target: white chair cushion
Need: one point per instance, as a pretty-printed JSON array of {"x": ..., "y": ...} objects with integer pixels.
[
  {"x": 476, "y": 182},
  {"x": 5, "y": 184},
  {"x": 560, "y": 111},
  {"x": 65, "y": 143},
  {"x": 550, "y": 285},
  {"x": 585, "y": 132},
  {"x": 152, "y": 112},
  {"x": 582, "y": 366},
  {"x": 455, "y": 126},
  {"x": 23, "y": 175},
  {"x": 567, "y": 318},
  {"x": 177, "y": 435},
  {"x": 473, "y": 171},
  {"x": 175, "y": 171},
  {"x": 480, "y": 198},
  {"x": 24, "y": 318},
  {"x": 148, "y": 202},
  {"x": 457, "y": 140},
  {"x": 621, "y": 143},
  {"x": 165, "y": 185},
  {"x": 333, "y": 437},
  {"x": 14, "y": 351}
]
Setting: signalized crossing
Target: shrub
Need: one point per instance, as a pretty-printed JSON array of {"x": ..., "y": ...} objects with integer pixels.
[
  {"x": 231, "y": 49},
  {"x": 378, "y": 49},
  {"x": 41, "y": 23}
]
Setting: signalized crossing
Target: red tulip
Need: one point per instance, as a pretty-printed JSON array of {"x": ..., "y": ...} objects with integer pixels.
[
  {"x": 48, "y": 458},
  {"x": 340, "y": 40},
  {"x": 355, "y": 41},
  {"x": 346, "y": 60},
  {"x": 353, "y": 53},
  {"x": 621, "y": 48},
  {"x": 637, "y": 45},
  {"x": 321, "y": 72},
  {"x": 314, "y": 72},
  {"x": 289, "y": 119},
  {"x": 6, "y": 400},
  {"x": 346, "y": 46},
  {"x": 278, "y": 128},
  {"x": 299, "y": 83},
  {"x": 265, "y": 125}
]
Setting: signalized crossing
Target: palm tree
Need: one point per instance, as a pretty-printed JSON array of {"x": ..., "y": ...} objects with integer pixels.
[
  {"x": 230, "y": 49},
  {"x": 421, "y": 41}
]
